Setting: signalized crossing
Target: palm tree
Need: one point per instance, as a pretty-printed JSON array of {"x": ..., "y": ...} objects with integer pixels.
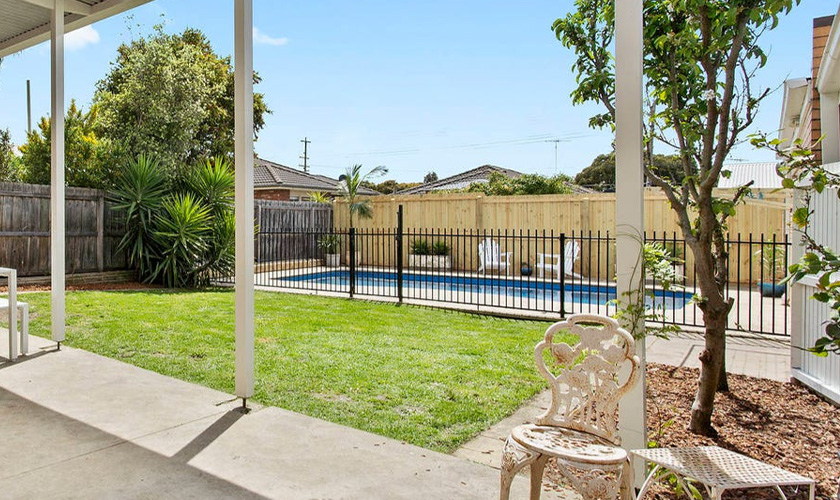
[{"x": 349, "y": 186}]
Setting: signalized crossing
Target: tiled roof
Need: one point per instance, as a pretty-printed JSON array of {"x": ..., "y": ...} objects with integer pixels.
[
  {"x": 268, "y": 174},
  {"x": 763, "y": 175},
  {"x": 462, "y": 180}
]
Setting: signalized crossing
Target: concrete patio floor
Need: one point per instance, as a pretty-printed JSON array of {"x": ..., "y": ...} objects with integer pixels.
[{"x": 79, "y": 425}]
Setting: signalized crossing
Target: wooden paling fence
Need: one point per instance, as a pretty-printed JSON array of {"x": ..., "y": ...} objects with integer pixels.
[
  {"x": 93, "y": 230},
  {"x": 289, "y": 230}
]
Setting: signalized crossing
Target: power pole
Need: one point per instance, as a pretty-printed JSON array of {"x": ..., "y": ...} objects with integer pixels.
[
  {"x": 305, "y": 156},
  {"x": 556, "y": 142},
  {"x": 28, "y": 110}
]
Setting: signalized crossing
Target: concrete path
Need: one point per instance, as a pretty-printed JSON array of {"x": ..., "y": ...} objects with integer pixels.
[
  {"x": 745, "y": 355},
  {"x": 80, "y": 426}
]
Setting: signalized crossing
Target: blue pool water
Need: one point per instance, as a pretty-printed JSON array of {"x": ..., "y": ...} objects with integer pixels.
[{"x": 428, "y": 286}]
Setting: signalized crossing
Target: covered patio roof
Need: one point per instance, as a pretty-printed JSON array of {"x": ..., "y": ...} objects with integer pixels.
[{"x": 26, "y": 23}]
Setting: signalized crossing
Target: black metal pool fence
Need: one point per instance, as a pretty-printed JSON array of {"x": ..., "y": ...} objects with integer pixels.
[{"x": 517, "y": 271}]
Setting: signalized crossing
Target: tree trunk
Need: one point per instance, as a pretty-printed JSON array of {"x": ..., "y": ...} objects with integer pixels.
[
  {"x": 711, "y": 359},
  {"x": 723, "y": 379}
]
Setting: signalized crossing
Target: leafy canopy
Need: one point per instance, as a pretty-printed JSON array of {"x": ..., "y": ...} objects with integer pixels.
[
  {"x": 10, "y": 165},
  {"x": 600, "y": 174},
  {"x": 89, "y": 159},
  {"x": 499, "y": 184},
  {"x": 171, "y": 96}
]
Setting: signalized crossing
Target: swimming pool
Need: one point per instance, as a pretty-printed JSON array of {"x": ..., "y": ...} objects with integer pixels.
[{"x": 494, "y": 290}]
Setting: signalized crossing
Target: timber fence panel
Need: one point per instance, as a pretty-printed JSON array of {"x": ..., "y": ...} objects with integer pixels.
[
  {"x": 25, "y": 230},
  {"x": 289, "y": 230},
  {"x": 765, "y": 213}
]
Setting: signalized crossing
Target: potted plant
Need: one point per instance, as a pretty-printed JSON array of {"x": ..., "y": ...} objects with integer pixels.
[
  {"x": 425, "y": 256},
  {"x": 773, "y": 266},
  {"x": 350, "y": 185},
  {"x": 331, "y": 245},
  {"x": 525, "y": 269}
]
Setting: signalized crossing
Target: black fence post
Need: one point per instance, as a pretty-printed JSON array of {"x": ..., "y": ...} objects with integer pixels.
[
  {"x": 352, "y": 261},
  {"x": 562, "y": 273},
  {"x": 399, "y": 238}
]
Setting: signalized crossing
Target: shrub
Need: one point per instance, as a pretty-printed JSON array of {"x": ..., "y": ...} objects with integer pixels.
[
  {"x": 420, "y": 247},
  {"x": 440, "y": 248},
  {"x": 178, "y": 233},
  {"x": 330, "y": 243}
]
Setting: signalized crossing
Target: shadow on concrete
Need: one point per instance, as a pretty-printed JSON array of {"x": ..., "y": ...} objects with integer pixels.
[{"x": 60, "y": 457}]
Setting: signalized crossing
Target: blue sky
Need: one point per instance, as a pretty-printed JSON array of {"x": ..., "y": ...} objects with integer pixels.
[{"x": 438, "y": 85}]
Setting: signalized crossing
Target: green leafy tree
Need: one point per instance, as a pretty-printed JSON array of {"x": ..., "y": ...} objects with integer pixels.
[
  {"x": 349, "y": 190},
  {"x": 10, "y": 165},
  {"x": 600, "y": 174},
  {"x": 499, "y": 184},
  {"x": 389, "y": 187},
  {"x": 699, "y": 60},
  {"x": 430, "y": 177},
  {"x": 171, "y": 96},
  {"x": 89, "y": 159}
]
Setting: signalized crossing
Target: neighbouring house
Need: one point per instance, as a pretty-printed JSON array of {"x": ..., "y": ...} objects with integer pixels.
[
  {"x": 462, "y": 180},
  {"x": 762, "y": 174},
  {"x": 810, "y": 111},
  {"x": 273, "y": 181}
]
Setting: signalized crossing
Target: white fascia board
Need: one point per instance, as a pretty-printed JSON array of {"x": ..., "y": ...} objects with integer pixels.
[
  {"x": 39, "y": 34},
  {"x": 828, "y": 76},
  {"x": 796, "y": 90}
]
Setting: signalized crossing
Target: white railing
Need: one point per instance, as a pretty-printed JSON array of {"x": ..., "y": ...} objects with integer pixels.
[{"x": 807, "y": 315}]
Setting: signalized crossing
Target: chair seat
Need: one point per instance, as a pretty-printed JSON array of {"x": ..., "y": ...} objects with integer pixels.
[{"x": 568, "y": 444}]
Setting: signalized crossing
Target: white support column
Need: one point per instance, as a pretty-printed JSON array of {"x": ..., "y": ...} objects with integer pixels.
[
  {"x": 244, "y": 197},
  {"x": 57, "y": 241},
  {"x": 629, "y": 206},
  {"x": 830, "y": 126}
]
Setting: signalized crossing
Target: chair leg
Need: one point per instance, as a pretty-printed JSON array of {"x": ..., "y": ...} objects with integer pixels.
[
  {"x": 514, "y": 458},
  {"x": 537, "y": 469}
]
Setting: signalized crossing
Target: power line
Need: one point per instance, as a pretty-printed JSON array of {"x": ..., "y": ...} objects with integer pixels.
[
  {"x": 305, "y": 156},
  {"x": 476, "y": 145}
]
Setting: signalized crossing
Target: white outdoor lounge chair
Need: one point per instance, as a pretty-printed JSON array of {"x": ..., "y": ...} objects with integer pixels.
[
  {"x": 552, "y": 261},
  {"x": 490, "y": 256},
  {"x": 22, "y": 308},
  {"x": 580, "y": 428}
]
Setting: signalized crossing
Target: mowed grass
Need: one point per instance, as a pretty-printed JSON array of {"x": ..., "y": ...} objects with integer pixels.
[{"x": 429, "y": 377}]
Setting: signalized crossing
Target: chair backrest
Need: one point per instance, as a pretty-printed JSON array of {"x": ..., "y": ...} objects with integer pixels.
[
  {"x": 489, "y": 251},
  {"x": 572, "y": 252},
  {"x": 588, "y": 382}
]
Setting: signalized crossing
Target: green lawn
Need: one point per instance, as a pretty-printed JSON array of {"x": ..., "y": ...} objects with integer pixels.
[{"x": 429, "y": 377}]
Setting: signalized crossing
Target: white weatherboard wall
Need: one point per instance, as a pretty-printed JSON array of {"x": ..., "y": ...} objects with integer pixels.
[{"x": 820, "y": 374}]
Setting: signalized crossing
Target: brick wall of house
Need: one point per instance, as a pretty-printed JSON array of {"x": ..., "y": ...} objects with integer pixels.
[
  {"x": 272, "y": 194},
  {"x": 822, "y": 27}
]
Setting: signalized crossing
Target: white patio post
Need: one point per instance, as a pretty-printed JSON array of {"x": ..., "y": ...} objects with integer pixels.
[
  {"x": 57, "y": 265},
  {"x": 244, "y": 196},
  {"x": 629, "y": 206}
]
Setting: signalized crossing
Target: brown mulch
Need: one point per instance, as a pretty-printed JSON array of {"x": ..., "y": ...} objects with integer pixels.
[{"x": 780, "y": 423}]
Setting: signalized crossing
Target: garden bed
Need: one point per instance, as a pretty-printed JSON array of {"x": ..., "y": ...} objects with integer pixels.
[{"x": 780, "y": 423}]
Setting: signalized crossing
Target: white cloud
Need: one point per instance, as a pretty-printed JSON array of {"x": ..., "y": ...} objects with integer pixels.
[
  {"x": 82, "y": 37},
  {"x": 263, "y": 39}
]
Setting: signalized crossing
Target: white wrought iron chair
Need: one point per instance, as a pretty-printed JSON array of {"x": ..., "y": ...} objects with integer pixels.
[
  {"x": 580, "y": 428},
  {"x": 490, "y": 256},
  {"x": 552, "y": 262}
]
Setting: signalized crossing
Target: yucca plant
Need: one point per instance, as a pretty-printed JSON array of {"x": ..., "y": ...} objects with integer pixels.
[
  {"x": 182, "y": 231},
  {"x": 139, "y": 195}
]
